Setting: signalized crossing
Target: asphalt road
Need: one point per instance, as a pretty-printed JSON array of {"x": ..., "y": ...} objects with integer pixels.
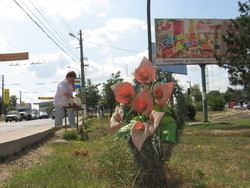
[{"x": 22, "y": 125}]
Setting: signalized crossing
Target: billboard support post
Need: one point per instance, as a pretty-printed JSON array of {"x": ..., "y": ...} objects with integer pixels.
[{"x": 204, "y": 93}]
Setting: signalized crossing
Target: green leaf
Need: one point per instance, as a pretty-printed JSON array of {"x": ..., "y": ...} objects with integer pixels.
[
  {"x": 161, "y": 108},
  {"x": 124, "y": 130},
  {"x": 168, "y": 128}
]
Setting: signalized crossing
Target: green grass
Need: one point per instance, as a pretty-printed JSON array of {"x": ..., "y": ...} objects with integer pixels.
[
  {"x": 213, "y": 160},
  {"x": 198, "y": 160},
  {"x": 108, "y": 164}
]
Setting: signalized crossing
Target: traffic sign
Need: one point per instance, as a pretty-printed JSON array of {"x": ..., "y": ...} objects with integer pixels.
[
  {"x": 45, "y": 98},
  {"x": 6, "y": 95}
]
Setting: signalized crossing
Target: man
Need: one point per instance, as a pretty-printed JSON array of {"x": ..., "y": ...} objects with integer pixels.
[{"x": 63, "y": 97}]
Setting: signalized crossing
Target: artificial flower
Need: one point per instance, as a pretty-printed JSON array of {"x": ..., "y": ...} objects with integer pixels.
[
  {"x": 139, "y": 133},
  {"x": 143, "y": 102},
  {"x": 162, "y": 92},
  {"x": 155, "y": 118},
  {"x": 116, "y": 119},
  {"x": 146, "y": 72},
  {"x": 123, "y": 92}
]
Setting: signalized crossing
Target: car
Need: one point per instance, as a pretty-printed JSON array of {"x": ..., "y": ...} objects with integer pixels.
[
  {"x": 12, "y": 116},
  {"x": 53, "y": 114},
  {"x": 43, "y": 115}
]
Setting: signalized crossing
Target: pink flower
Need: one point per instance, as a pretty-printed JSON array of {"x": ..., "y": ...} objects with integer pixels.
[
  {"x": 155, "y": 118},
  {"x": 143, "y": 102},
  {"x": 139, "y": 133},
  {"x": 145, "y": 73},
  {"x": 123, "y": 92},
  {"x": 162, "y": 92},
  {"x": 116, "y": 119}
]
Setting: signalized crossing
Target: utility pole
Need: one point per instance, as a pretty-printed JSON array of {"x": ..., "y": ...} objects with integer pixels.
[
  {"x": 2, "y": 96},
  {"x": 149, "y": 31},
  {"x": 20, "y": 97},
  {"x": 83, "y": 88}
]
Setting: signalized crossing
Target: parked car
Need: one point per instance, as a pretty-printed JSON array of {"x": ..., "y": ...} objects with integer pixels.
[
  {"x": 53, "y": 114},
  {"x": 12, "y": 116},
  {"x": 43, "y": 115}
]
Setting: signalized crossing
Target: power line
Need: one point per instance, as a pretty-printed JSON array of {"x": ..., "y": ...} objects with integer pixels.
[
  {"x": 112, "y": 47},
  {"x": 54, "y": 29},
  {"x": 43, "y": 30}
]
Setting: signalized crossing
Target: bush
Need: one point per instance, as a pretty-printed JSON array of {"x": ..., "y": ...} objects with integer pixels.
[
  {"x": 70, "y": 135},
  {"x": 191, "y": 111},
  {"x": 216, "y": 102},
  {"x": 198, "y": 105}
]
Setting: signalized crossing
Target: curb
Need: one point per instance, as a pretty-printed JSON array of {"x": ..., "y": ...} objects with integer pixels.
[{"x": 12, "y": 147}]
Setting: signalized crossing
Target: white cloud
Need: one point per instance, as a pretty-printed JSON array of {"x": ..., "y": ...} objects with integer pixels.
[
  {"x": 101, "y": 14},
  {"x": 68, "y": 10},
  {"x": 112, "y": 30}
]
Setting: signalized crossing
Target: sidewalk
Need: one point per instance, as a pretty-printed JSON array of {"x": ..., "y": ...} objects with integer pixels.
[{"x": 15, "y": 141}]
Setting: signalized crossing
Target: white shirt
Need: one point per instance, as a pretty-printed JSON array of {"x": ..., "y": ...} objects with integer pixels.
[{"x": 60, "y": 99}]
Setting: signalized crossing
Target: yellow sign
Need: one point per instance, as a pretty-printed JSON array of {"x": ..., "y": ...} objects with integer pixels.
[
  {"x": 14, "y": 56},
  {"x": 45, "y": 98},
  {"x": 6, "y": 96}
]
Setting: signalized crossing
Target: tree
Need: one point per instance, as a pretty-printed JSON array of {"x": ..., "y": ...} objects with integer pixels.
[
  {"x": 234, "y": 94},
  {"x": 195, "y": 93},
  {"x": 237, "y": 59},
  {"x": 92, "y": 93},
  {"x": 108, "y": 95},
  {"x": 216, "y": 100},
  {"x": 11, "y": 105}
]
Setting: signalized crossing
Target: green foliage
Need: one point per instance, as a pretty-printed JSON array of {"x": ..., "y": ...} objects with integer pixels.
[
  {"x": 116, "y": 163},
  {"x": 9, "y": 106},
  {"x": 198, "y": 106},
  {"x": 195, "y": 93},
  {"x": 216, "y": 100},
  {"x": 191, "y": 111},
  {"x": 168, "y": 128},
  {"x": 92, "y": 95},
  {"x": 70, "y": 135},
  {"x": 237, "y": 58},
  {"x": 108, "y": 95}
]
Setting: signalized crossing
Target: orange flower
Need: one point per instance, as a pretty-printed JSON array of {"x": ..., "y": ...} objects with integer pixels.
[
  {"x": 139, "y": 133},
  {"x": 162, "y": 92},
  {"x": 123, "y": 92},
  {"x": 145, "y": 73},
  {"x": 116, "y": 119},
  {"x": 143, "y": 102}
]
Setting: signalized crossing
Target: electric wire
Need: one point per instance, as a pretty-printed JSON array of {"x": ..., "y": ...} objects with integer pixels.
[
  {"x": 55, "y": 29},
  {"x": 44, "y": 30}
]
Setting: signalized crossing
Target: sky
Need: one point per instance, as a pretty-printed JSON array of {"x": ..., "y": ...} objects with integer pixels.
[{"x": 114, "y": 39}]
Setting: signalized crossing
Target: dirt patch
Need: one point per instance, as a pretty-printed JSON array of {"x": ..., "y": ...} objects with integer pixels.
[
  {"x": 231, "y": 115},
  {"x": 27, "y": 158},
  {"x": 243, "y": 132}
]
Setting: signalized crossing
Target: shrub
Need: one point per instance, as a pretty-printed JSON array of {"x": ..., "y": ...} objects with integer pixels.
[
  {"x": 216, "y": 102},
  {"x": 191, "y": 111},
  {"x": 70, "y": 135}
]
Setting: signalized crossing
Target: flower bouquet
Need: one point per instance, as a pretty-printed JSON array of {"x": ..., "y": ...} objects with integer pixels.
[{"x": 151, "y": 129}]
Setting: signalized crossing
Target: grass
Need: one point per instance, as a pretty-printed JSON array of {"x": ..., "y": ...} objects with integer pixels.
[
  {"x": 215, "y": 159},
  {"x": 198, "y": 160}
]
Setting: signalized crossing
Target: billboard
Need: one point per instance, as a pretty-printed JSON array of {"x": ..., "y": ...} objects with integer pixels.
[
  {"x": 190, "y": 41},
  {"x": 14, "y": 56},
  {"x": 178, "y": 69}
]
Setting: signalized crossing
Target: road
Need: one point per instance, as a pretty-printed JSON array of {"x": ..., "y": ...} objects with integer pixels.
[
  {"x": 15, "y": 126},
  {"x": 15, "y": 130}
]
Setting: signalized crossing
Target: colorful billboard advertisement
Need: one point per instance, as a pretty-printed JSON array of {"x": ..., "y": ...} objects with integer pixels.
[
  {"x": 190, "y": 41},
  {"x": 14, "y": 56},
  {"x": 177, "y": 69}
]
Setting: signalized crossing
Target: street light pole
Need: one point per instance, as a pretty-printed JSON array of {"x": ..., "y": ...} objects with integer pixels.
[{"x": 83, "y": 89}]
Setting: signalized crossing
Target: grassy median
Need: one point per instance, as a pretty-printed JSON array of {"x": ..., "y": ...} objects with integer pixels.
[{"x": 208, "y": 155}]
